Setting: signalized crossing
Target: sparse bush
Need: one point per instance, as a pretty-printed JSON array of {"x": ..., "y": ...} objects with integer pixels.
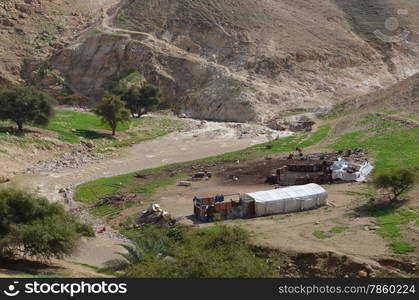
[
  {"x": 396, "y": 182},
  {"x": 32, "y": 226},
  {"x": 22, "y": 104},
  {"x": 112, "y": 111}
]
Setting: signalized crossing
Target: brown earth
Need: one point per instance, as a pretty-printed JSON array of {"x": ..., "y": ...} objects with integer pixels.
[
  {"x": 224, "y": 60},
  {"x": 16, "y": 156},
  {"x": 288, "y": 233},
  {"x": 31, "y": 29},
  {"x": 246, "y": 60},
  {"x": 56, "y": 268}
]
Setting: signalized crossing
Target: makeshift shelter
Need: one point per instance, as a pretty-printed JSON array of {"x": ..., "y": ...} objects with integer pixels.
[
  {"x": 287, "y": 200},
  {"x": 351, "y": 171}
]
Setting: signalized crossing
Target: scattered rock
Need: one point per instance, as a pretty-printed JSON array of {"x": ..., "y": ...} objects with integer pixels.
[
  {"x": 169, "y": 259},
  {"x": 4, "y": 179},
  {"x": 155, "y": 215},
  {"x": 80, "y": 155},
  {"x": 362, "y": 274},
  {"x": 88, "y": 144}
]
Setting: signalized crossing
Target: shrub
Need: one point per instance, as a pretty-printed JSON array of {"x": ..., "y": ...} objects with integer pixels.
[
  {"x": 30, "y": 225},
  {"x": 148, "y": 244},
  {"x": 395, "y": 182},
  {"x": 112, "y": 111},
  {"x": 22, "y": 104},
  {"x": 142, "y": 100}
]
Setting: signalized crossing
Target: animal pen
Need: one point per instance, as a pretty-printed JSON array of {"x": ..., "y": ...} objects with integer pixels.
[{"x": 301, "y": 172}]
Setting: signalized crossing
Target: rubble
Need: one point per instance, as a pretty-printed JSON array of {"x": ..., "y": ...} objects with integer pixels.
[
  {"x": 321, "y": 168},
  {"x": 98, "y": 226},
  {"x": 4, "y": 179},
  {"x": 155, "y": 215},
  {"x": 235, "y": 130},
  {"x": 85, "y": 216},
  {"x": 115, "y": 200},
  {"x": 77, "y": 157}
]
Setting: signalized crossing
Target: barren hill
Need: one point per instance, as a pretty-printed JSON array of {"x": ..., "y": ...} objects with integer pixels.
[
  {"x": 402, "y": 96},
  {"x": 36, "y": 28},
  {"x": 244, "y": 60}
]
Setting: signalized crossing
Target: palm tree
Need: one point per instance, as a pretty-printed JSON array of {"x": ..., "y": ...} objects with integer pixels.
[{"x": 149, "y": 245}]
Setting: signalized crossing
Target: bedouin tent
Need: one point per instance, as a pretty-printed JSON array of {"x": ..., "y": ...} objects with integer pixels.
[{"x": 290, "y": 199}]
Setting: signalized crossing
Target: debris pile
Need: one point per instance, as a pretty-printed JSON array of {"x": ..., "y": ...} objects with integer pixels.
[
  {"x": 199, "y": 176},
  {"x": 350, "y": 170},
  {"x": 4, "y": 179},
  {"x": 79, "y": 156},
  {"x": 321, "y": 168},
  {"x": 115, "y": 200},
  {"x": 155, "y": 215}
]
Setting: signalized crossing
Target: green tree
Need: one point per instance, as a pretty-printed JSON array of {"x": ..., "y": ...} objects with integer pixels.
[
  {"x": 141, "y": 100},
  {"x": 112, "y": 111},
  {"x": 22, "y": 104},
  {"x": 396, "y": 182},
  {"x": 31, "y": 225}
]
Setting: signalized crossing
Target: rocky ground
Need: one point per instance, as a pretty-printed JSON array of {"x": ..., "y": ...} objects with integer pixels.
[
  {"x": 75, "y": 158},
  {"x": 33, "y": 29}
]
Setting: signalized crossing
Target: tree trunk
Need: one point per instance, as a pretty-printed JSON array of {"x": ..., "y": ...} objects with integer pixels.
[
  {"x": 113, "y": 130},
  {"x": 20, "y": 126},
  {"x": 138, "y": 111}
]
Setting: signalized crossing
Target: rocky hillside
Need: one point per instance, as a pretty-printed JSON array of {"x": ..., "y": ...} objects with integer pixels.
[
  {"x": 33, "y": 29},
  {"x": 244, "y": 60},
  {"x": 401, "y": 96}
]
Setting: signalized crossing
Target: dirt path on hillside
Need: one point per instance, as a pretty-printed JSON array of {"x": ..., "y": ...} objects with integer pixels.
[
  {"x": 108, "y": 25},
  {"x": 211, "y": 138}
]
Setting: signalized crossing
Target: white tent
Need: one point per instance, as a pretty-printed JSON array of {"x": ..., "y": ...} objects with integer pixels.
[{"x": 290, "y": 199}]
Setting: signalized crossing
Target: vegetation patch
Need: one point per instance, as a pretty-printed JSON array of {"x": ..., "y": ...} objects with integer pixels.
[
  {"x": 390, "y": 218},
  {"x": 401, "y": 248},
  {"x": 321, "y": 235},
  {"x": 185, "y": 252},
  {"x": 338, "y": 229},
  {"x": 10, "y": 136},
  {"x": 394, "y": 145},
  {"x": 72, "y": 126},
  {"x": 392, "y": 222}
]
